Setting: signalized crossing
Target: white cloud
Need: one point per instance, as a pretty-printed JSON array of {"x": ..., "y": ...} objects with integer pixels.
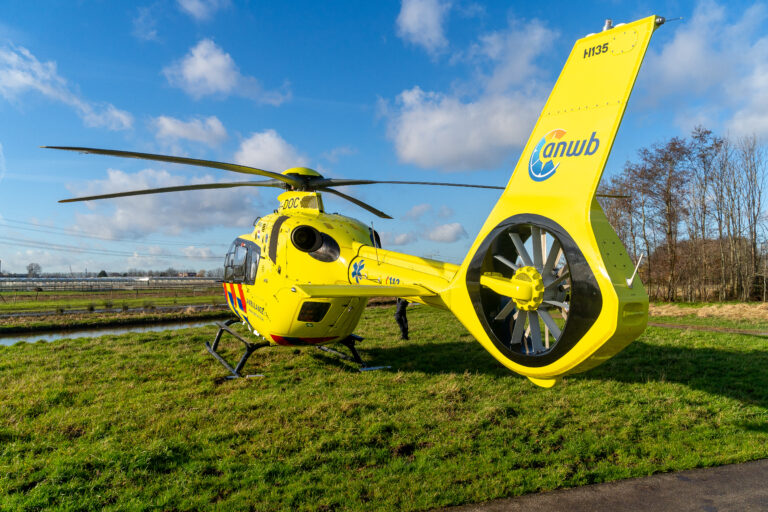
[
  {"x": 447, "y": 233},
  {"x": 207, "y": 70},
  {"x": 436, "y": 130},
  {"x": 193, "y": 252},
  {"x": 481, "y": 127},
  {"x": 209, "y": 131},
  {"x": 145, "y": 24},
  {"x": 267, "y": 150},
  {"x": 16, "y": 262},
  {"x": 21, "y": 73},
  {"x": 512, "y": 53},
  {"x": 690, "y": 62},
  {"x": 714, "y": 70},
  {"x": 417, "y": 211},
  {"x": 421, "y": 22},
  {"x": 170, "y": 213},
  {"x": 396, "y": 239},
  {"x": 444, "y": 212},
  {"x": 201, "y": 10}
]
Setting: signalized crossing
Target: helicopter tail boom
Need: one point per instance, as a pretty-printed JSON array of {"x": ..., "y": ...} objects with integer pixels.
[{"x": 362, "y": 290}]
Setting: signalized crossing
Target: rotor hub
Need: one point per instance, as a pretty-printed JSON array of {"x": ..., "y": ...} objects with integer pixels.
[{"x": 531, "y": 286}]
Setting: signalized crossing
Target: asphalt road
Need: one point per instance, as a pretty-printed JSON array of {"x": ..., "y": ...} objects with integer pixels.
[{"x": 738, "y": 487}]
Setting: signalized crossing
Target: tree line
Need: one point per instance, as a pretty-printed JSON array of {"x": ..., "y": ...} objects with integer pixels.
[{"x": 694, "y": 209}]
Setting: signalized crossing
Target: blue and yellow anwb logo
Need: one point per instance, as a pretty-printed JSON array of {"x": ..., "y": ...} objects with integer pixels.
[{"x": 553, "y": 148}]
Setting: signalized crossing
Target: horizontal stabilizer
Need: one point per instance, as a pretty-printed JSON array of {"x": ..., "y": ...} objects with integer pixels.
[{"x": 361, "y": 290}]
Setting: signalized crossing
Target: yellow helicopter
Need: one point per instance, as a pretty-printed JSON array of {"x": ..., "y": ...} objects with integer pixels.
[{"x": 547, "y": 287}]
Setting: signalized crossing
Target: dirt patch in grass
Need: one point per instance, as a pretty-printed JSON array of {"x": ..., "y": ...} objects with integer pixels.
[{"x": 728, "y": 311}]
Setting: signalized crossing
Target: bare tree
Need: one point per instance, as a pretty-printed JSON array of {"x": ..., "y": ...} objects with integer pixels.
[
  {"x": 34, "y": 270},
  {"x": 696, "y": 209}
]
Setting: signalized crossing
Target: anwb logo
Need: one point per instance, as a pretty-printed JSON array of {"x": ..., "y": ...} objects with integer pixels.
[{"x": 553, "y": 147}]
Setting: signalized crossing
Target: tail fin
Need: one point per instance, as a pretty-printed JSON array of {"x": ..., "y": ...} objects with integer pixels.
[{"x": 544, "y": 287}]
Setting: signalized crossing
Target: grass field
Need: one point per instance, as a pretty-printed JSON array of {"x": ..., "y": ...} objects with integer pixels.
[{"x": 147, "y": 422}]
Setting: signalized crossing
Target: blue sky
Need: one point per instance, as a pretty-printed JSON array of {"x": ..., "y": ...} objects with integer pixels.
[{"x": 430, "y": 90}]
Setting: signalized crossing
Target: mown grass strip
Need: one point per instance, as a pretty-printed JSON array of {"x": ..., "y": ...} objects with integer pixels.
[
  {"x": 148, "y": 422},
  {"x": 90, "y": 304},
  {"x": 65, "y": 322}
]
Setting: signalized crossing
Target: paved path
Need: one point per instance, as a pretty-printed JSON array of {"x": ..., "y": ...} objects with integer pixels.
[{"x": 738, "y": 487}]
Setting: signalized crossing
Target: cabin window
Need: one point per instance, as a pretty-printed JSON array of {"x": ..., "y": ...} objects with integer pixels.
[{"x": 253, "y": 264}]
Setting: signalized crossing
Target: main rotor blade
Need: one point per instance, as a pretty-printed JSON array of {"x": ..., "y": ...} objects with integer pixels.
[
  {"x": 162, "y": 190},
  {"x": 332, "y": 182},
  {"x": 359, "y": 203},
  {"x": 187, "y": 161}
]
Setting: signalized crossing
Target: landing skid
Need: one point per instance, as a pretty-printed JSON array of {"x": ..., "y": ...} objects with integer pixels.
[
  {"x": 349, "y": 342},
  {"x": 249, "y": 349}
]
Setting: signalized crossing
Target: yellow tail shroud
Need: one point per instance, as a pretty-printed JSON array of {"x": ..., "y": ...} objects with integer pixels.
[{"x": 551, "y": 196}]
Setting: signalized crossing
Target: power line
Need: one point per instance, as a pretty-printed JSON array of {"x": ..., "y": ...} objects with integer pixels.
[
  {"x": 102, "y": 252},
  {"x": 79, "y": 234}
]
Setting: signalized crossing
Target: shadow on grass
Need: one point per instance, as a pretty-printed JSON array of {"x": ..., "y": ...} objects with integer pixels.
[
  {"x": 432, "y": 358},
  {"x": 737, "y": 375}
]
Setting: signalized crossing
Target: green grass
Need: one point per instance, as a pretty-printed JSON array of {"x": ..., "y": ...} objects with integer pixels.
[{"x": 146, "y": 421}]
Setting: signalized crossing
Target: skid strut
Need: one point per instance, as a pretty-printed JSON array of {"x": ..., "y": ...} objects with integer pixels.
[
  {"x": 349, "y": 342},
  {"x": 249, "y": 349}
]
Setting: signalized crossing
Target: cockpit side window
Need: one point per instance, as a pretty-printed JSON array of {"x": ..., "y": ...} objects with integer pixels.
[
  {"x": 239, "y": 263},
  {"x": 228, "y": 263},
  {"x": 242, "y": 262}
]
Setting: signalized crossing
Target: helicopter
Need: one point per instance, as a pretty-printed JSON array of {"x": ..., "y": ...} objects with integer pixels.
[{"x": 547, "y": 286}]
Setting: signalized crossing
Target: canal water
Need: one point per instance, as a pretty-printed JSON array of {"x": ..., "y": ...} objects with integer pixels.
[{"x": 10, "y": 339}]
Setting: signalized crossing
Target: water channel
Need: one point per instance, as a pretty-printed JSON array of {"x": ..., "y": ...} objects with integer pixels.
[{"x": 10, "y": 339}]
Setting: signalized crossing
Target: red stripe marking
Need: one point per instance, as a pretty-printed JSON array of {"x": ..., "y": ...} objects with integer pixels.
[{"x": 242, "y": 297}]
